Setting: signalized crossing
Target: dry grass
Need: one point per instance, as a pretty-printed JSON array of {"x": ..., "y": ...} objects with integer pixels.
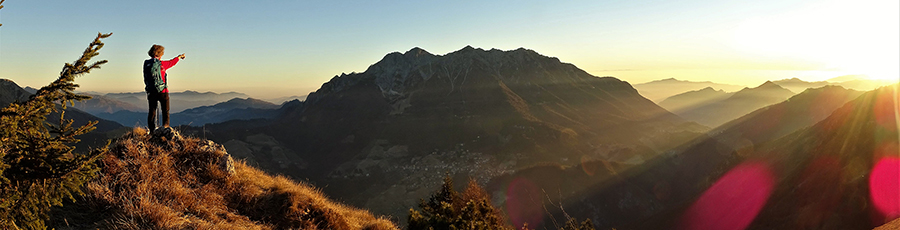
[{"x": 153, "y": 184}]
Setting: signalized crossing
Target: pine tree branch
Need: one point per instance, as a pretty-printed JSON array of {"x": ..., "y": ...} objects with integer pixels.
[
  {"x": 38, "y": 168},
  {"x": 1, "y": 7}
]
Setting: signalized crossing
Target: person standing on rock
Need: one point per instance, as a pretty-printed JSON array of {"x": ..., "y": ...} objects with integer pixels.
[{"x": 155, "y": 84}]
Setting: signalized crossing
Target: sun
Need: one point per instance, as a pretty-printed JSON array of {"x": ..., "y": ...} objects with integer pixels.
[{"x": 847, "y": 36}]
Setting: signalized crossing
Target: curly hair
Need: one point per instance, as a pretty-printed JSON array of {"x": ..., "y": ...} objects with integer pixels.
[{"x": 156, "y": 50}]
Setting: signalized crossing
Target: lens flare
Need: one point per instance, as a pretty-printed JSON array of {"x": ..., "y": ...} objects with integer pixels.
[
  {"x": 884, "y": 187},
  {"x": 733, "y": 201},
  {"x": 523, "y": 203}
]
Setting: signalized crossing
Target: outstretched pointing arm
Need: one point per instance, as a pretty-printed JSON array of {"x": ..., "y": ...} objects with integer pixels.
[{"x": 168, "y": 64}]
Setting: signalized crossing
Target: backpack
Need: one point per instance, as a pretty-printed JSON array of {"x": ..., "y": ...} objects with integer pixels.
[{"x": 153, "y": 79}]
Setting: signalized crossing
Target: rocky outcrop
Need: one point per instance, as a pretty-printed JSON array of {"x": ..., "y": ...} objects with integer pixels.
[{"x": 215, "y": 153}]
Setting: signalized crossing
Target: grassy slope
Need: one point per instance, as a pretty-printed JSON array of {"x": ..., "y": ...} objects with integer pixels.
[{"x": 147, "y": 183}]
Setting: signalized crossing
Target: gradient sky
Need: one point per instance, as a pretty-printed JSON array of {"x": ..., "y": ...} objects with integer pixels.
[{"x": 280, "y": 48}]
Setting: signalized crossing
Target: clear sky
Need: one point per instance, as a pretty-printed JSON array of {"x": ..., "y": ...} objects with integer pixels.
[{"x": 280, "y": 48}]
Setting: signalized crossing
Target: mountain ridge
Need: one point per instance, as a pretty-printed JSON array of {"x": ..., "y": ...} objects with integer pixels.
[
  {"x": 659, "y": 90},
  {"x": 234, "y": 109},
  {"x": 716, "y": 112},
  {"x": 692, "y": 99}
]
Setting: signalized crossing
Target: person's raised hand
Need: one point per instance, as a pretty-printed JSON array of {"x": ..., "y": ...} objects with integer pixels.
[{"x": 181, "y": 56}]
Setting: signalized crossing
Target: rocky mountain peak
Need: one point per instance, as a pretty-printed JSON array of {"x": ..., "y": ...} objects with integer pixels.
[
  {"x": 397, "y": 74},
  {"x": 416, "y": 52},
  {"x": 767, "y": 89}
]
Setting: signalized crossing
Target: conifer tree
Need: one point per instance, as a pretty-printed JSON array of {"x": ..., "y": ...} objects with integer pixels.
[
  {"x": 448, "y": 209},
  {"x": 38, "y": 168}
]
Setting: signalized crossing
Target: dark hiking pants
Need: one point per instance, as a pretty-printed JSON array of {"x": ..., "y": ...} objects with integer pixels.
[{"x": 163, "y": 99}]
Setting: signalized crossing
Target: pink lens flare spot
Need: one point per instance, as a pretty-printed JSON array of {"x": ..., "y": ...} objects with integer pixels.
[
  {"x": 523, "y": 203},
  {"x": 733, "y": 201},
  {"x": 884, "y": 187}
]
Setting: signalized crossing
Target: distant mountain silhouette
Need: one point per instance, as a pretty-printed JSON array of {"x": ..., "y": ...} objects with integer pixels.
[
  {"x": 693, "y": 99},
  {"x": 98, "y": 103},
  {"x": 179, "y": 101},
  {"x": 863, "y": 84},
  {"x": 718, "y": 112},
  {"x": 281, "y": 100},
  {"x": 103, "y": 104},
  {"x": 30, "y": 90},
  {"x": 661, "y": 89},
  {"x": 849, "y": 82},
  {"x": 234, "y": 109},
  {"x": 794, "y": 161},
  {"x": 383, "y": 138},
  {"x": 11, "y": 92},
  {"x": 797, "y": 85}
]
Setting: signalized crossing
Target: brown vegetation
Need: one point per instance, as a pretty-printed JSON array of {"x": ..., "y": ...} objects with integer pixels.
[{"x": 150, "y": 183}]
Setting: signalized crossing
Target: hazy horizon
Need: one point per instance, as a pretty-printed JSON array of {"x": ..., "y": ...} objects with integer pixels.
[{"x": 278, "y": 49}]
